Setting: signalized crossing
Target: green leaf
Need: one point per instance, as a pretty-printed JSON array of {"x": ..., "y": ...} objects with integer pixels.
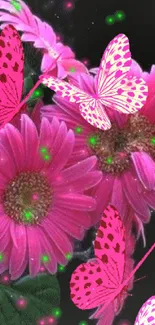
[{"x": 40, "y": 294}]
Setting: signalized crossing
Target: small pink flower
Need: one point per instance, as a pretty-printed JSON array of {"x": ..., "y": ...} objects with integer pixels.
[
  {"x": 41, "y": 232},
  {"x": 125, "y": 153}
]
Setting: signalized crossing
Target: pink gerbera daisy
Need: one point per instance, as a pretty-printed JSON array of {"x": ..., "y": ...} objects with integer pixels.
[
  {"x": 125, "y": 153},
  {"x": 43, "y": 206}
]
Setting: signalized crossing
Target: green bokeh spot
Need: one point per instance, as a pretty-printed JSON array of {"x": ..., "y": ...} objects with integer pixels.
[
  {"x": 109, "y": 160},
  {"x": 68, "y": 256},
  {"x": 72, "y": 69},
  {"x": 110, "y": 20},
  {"x": 28, "y": 215},
  {"x": 56, "y": 312},
  {"x": 78, "y": 129},
  {"x": 45, "y": 258},
  {"x": 120, "y": 15},
  {"x": 61, "y": 268},
  {"x": 153, "y": 140},
  {"x": 93, "y": 140},
  {"x": 16, "y": 5},
  {"x": 1, "y": 257}
]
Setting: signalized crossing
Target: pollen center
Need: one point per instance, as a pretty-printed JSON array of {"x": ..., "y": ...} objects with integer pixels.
[
  {"x": 27, "y": 198},
  {"x": 114, "y": 147}
]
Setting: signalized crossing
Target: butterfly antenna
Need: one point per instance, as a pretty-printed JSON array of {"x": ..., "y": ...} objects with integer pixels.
[{"x": 140, "y": 278}]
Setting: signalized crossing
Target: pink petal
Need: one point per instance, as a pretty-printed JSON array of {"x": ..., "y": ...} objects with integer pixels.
[
  {"x": 63, "y": 154},
  {"x": 75, "y": 201},
  {"x": 131, "y": 190},
  {"x": 102, "y": 194},
  {"x": 46, "y": 62},
  {"x": 149, "y": 197},
  {"x": 34, "y": 250},
  {"x": 14, "y": 144},
  {"x": 30, "y": 140},
  {"x": 47, "y": 249},
  {"x": 68, "y": 64},
  {"x": 145, "y": 168},
  {"x": 57, "y": 235},
  {"x": 82, "y": 184},
  {"x": 76, "y": 171},
  {"x": 7, "y": 167},
  {"x": 4, "y": 240},
  {"x": 68, "y": 226},
  {"x": 18, "y": 254},
  {"x": 61, "y": 73},
  {"x": 79, "y": 218},
  {"x": 118, "y": 198},
  {"x": 4, "y": 225}
]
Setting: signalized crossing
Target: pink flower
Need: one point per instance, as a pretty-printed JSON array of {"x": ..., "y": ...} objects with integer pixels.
[
  {"x": 125, "y": 153},
  {"x": 43, "y": 207},
  {"x": 56, "y": 55}
]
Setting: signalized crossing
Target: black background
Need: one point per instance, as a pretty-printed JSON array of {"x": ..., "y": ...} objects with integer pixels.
[{"x": 85, "y": 30}]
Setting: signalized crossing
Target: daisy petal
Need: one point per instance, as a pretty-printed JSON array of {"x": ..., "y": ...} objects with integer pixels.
[{"x": 145, "y": 169}]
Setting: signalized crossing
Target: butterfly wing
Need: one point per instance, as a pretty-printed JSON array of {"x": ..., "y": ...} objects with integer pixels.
[
  {"x": 11, "y": 73},
  {"x": 146, "y": 314},
  {"x": 96, "y": 282},
  {"x": 94, "y": 113},
  {"x": 66, "y": 90},
  {"x": 116, "y": 90},
  {"x": 91, "y": 109},
  {"x": 110, "y": 242}
]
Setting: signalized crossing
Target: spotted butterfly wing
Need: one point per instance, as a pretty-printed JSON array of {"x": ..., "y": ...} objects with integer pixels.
[
  {"x": 11, "y": 73},
  {"x": 146, "y": 314},
  {"x": 95, "y": 282},
  {"x": 115, "y": 89},
  {"x": 90, "y": 108}
]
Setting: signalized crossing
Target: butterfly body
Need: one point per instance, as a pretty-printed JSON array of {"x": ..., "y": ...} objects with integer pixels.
[{"x": 114, "y": 87}]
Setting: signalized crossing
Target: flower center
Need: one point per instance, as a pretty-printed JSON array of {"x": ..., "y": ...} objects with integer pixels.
[
  {"x": 114, "y": 147},
  {"x": 27, "y": 198}
]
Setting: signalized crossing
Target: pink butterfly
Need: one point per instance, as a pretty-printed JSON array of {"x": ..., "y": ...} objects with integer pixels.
[
  {"x": 146, "y": 315},
  {"x": 11, "y": 75},
  {"x": 100, "y": 281},
  {"x": 115, "y": 88}
]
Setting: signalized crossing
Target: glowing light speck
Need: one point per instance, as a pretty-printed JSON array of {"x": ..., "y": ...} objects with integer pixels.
[
  {"x": 69, "y": 5},
  {"x": 1, "y": 257},
  {"x": 72, "y": 69},
  {"x": 119, "y": 15},
  {"x": 110, "y": 20},
  {"x": 45, "y": 258},
  {"x": 78, "y": 129},
  {"x": 83, "y": 323},
  {"x": 28, "y": 215},
  {"x": 92, "y": 140},
  {"x": 68, "y": 256},
  {"x": 61, "y": 268},
  {"x": 85, "y": 61},
  {"x": 153, "y": 140},
  {"x": 56, "y": 312},
  {"x": 109, "y": 160},
  {"x": 21, "y": 303},
  {"x": 50, "y": 320},
  {"x": 16, "y": 5},
  {"x": 35, "y": 196}
]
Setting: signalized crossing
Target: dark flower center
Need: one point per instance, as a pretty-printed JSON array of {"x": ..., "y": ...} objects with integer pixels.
[
  {"x": 114, "y": 147},
  {"x": 27, "y": 198}
]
